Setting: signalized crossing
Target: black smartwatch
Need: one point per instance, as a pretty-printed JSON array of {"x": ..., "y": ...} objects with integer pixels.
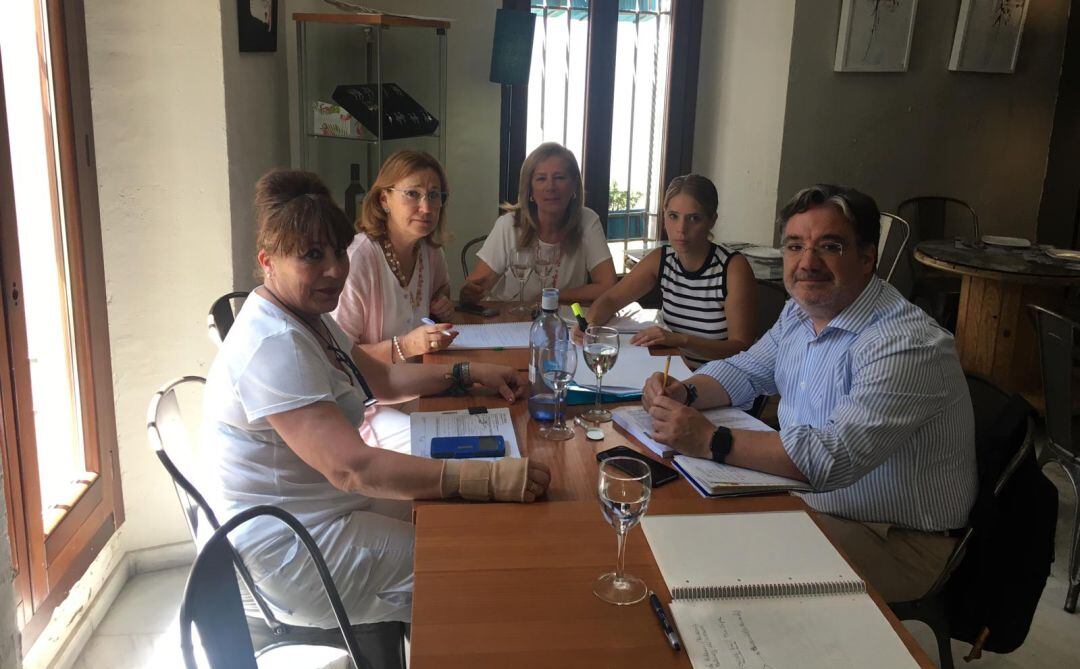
[
  {"x": 720, "y": 446},
  {"x": 691, "y": 394}
]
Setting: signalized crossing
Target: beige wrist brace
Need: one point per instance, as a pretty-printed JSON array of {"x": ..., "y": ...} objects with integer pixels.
[{"x": 503, "y": 480}]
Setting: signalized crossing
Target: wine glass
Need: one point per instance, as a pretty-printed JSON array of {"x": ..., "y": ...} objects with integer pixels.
[
  {"x": 558, "y": 362},
  {"x": 521, "y": 261},
  {"x": 546, "y": 263},
  {"x": 600, "y": 348},
  {"x": 625, "y": 485}
]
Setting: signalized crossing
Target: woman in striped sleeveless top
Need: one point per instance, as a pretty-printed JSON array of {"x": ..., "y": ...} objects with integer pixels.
[{"x": 708, "y": 291}]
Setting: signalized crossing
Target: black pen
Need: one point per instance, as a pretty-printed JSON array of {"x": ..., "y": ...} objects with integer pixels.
[{"x": 669, "y": 631}]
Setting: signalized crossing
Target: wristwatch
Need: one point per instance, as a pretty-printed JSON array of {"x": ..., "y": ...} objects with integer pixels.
[
  {"x": 720, "y": 445},
  {"x": 691, "y": 394}
]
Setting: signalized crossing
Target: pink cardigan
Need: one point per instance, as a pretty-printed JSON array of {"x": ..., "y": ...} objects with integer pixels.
[{"x": 360, "y": 308}]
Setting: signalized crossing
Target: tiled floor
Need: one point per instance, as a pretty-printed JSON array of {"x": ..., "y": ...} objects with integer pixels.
[{"x": 140, "y": 629}]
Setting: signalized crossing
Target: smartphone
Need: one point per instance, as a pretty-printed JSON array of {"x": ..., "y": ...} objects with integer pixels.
[
  {"x": 661, "y": 473},
  {"x": 478, "y": 309},
  {"x": 492, "y": 446}
]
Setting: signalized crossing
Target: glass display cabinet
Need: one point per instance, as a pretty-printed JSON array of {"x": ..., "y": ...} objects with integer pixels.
[{"x": 389, "y": 72}]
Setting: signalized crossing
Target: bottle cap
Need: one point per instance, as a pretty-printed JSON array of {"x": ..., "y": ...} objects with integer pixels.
[{"x": 550, "y": 299}]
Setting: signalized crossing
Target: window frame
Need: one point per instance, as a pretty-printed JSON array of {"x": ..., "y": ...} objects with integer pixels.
[{"x": 49, "y": 560}]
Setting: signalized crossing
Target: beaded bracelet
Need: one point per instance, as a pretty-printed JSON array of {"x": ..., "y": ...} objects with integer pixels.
[{"x": 397, "y": 347}]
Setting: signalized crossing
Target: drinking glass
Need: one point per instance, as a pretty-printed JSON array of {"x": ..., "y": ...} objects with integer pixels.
[
  {"x": 624, "y": 487},
  {"x": 558, "y": 362},
  {"x": 600, "y": 349},
  {"x": 546, "y": 263},
  {"x": 521, "y": 261}
]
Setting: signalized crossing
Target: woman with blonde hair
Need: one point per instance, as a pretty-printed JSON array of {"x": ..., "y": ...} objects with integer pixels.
[
  {"x": 284, "y": 398},
  {"x": 548, "y": 219},
  {"x": 708, "y": 291}
]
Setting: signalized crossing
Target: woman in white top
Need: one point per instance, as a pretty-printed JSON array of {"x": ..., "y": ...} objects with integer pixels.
[
  {"x": 708, "y": 292},
  {"x": 549, "y": 217},
  {"x": 283, "y": 401},
  {"x": 397, "y": 270}
]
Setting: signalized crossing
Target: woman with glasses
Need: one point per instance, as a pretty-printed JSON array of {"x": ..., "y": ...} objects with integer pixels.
[
  {"x": 284, "y": 398},
  {"x": 551, "y": 220},
  {"x": 708, "y": 291}
]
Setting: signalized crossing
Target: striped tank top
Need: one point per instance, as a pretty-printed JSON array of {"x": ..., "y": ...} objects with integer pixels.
[{"x": 693, "y": 302}]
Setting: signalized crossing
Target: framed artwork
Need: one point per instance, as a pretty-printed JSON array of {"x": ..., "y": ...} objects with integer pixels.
[
  {"x": 875, "y": 35},
  {"x": 257, "y": 23},
  {"x": 987, "y": 35}
]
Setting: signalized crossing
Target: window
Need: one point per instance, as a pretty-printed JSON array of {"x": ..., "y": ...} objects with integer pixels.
[
  {"x": 615, "y": 82},
  {"x": 58, "y": 437}
]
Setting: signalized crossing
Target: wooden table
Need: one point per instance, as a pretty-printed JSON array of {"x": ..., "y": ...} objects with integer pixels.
[
  {"x": 994, "y": 337},
  {"x": 510, "y": 585}
]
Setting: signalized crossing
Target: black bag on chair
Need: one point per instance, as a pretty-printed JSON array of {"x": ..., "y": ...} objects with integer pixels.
[{"x": 993, "y": 593}]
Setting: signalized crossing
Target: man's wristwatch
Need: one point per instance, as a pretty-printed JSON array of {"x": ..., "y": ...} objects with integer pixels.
[
  {"x": 691, "y": 394},
  {"x": 720, "y": 445}
]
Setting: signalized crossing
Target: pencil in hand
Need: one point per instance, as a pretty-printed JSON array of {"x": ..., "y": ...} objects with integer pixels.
[{"x": 667, "y": 368}]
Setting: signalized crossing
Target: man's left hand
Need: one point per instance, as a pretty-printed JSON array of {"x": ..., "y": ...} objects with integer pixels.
[
  {"x": 504, "y": 380},
  {"x": 681, "y": 427}
]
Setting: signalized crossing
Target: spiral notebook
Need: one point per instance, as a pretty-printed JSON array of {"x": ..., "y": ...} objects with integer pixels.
[{"x": 756, "y": 590}]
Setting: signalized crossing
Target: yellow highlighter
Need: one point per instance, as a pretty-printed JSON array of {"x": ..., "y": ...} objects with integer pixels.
[{"x": 582, "y": 323}]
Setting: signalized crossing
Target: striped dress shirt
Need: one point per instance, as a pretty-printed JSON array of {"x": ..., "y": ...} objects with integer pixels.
[
  {"x": 693, "y": 302},
  {"x": 874, "y": 410}
]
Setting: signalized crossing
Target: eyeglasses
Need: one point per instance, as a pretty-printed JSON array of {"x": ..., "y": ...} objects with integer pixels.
[
  {"x": 354, "y": 372},
  {"x": 435, "y": 198},
  {"x": 822, "y": 250}
]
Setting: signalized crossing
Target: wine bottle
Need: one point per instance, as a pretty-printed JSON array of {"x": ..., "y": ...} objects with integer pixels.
[{"x": 354, "y": 194}]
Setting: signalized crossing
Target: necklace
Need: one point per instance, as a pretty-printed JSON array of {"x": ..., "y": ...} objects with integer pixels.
[{"x": 395, "y": 267}]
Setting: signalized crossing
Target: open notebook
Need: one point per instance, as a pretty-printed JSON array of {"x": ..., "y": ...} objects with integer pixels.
[
  {"x": 757, "y": 590},
  {"x": 709, "y": 478}
]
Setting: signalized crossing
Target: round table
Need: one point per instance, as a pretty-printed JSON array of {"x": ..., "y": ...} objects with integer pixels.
[{"x": 994, "y": 337}]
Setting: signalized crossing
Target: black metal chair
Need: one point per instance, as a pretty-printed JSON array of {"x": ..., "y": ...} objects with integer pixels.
[
  {"x": 997, "y": 460},
  {"x": 465, "y": 253},
  {"x": 212, "y": 599},
  {"x": 937, "y": 217},
  {"x": 1057, "y": 339},
  {"x": 169, "y": 437},
  {"x": 222, "y": 315}
]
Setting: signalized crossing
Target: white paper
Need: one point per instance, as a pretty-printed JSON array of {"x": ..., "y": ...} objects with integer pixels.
[
  {"x": 636, "y": 421},
  {"x": 429, "y": 424},
  {"x": 632, "y": 368},
  {"x": 492, "y": 335},
  {"x": 826, "y": 631},
  {"x": 709, "y": 476}
]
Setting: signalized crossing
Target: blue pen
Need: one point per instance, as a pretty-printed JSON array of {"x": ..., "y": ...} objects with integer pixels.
[
  {"x": 669, "y": 632},
  {"x": 428, "y": 321}
]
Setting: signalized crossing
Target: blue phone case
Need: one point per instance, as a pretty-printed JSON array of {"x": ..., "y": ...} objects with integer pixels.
[{"x": 468, "y": 447}]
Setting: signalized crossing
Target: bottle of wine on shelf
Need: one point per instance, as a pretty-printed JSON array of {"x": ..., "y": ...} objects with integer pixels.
[{"x": 354, "y": 194}]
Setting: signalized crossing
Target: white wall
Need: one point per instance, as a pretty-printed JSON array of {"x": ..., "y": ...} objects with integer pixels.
[
  {"x": 739, "y": 127},
  {"x": 473, "y": 110},
  {"x": 159, "y": 126}
]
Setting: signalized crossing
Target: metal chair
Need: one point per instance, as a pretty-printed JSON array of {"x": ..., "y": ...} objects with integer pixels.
[
  {"x": 937, "y": 217},
  {"x": 892, "y": 243},
  {"x": 1057, "y": 337},
  {"x": 223, "y": 314},
  {"x": 997, "y": 459},
  {"x": 212, "y": 599},
  {"x": 465, "y": 253},
  {"x": 169, "y": 437}
]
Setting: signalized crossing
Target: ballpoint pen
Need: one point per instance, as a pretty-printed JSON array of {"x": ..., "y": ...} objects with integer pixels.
[
  {"x": 445, "y": 333},
  {"x": 669, "y": 632}
]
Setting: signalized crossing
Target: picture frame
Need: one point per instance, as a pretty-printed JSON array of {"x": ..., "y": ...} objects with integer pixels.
[
  {"x": 257, "y": 25},
  {"x": 875, "y": 35},
  {"x": 987, "y": 37}
]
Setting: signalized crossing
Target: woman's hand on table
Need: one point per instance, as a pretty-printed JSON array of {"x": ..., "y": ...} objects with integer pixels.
[
  {"x": 684, "y": 429},
  {"x": 654, "y": 388},
  {"x": 504, "y": 380},
  {"x": 429, "y": 338},
  {"x": 658, "y": 336},
  {"x": 577, "y": 334},
  {"x": 537, "y": 479},
  {"x": 442, "y": 308},
  {"x": 472, "y": 292}
]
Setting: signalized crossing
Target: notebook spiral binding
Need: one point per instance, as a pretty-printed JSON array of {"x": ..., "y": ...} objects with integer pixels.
[{"x": 789, "y": 589}]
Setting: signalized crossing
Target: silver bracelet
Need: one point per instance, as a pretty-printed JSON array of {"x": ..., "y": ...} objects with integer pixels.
[{"x": 397, "y": 347}]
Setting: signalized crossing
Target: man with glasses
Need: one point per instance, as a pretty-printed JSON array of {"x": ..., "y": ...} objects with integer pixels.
[{"x": 874, "y": 411}]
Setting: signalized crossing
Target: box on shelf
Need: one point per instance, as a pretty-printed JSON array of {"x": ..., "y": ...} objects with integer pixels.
[
  {"x": 402, "y": 116},
  {"x": 331, "y": 120}
]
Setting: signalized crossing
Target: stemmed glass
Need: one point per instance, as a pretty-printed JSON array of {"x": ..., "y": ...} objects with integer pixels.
[
  {"x": 545, "y": 263},
  {"x": 600, "y": 348},
  {"x": 520, "y": 264},
  {"x": 558, "y": 362},
  {"x": 625, "y": 486}
]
